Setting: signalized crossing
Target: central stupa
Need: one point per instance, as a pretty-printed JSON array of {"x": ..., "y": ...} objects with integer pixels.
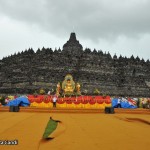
[{"x": 73, "y": 45}]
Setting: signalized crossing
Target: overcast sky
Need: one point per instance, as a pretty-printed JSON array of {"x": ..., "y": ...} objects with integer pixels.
[{"x": 117, "y": 26}]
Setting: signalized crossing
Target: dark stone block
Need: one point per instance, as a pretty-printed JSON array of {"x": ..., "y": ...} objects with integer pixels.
[
  {"x": 109, "y": 110},
  {"x": 14, "y": 109}
]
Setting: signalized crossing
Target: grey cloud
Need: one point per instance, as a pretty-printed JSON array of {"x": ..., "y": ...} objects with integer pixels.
[{"x": 94, "y": 19}]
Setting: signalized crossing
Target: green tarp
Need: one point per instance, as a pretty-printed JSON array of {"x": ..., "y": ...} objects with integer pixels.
[{"x": 51, "y": 127}]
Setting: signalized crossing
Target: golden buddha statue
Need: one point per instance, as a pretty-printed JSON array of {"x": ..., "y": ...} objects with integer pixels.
[
  {"x": 68, "y": 87},
  {"x": 78, "y": 88},
  {"x": 58, "y": 89},
  {"x": 68, "y": 84}
]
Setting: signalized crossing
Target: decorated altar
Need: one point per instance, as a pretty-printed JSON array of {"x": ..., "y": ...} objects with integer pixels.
[
  {"x": 69, "y": 96},
  {"x": 70, "y": 102}
]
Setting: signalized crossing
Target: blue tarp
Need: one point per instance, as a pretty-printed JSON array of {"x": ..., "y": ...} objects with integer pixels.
[
  {"x": 124, "y": 104},
  {"x": 20, "y": 101}
]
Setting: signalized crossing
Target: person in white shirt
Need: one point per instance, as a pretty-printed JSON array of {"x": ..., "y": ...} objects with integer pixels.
[
  {"x": 54, "y": 100},
  {"x": 119, "y": 103},
  {"x": 49, "y": 93}
]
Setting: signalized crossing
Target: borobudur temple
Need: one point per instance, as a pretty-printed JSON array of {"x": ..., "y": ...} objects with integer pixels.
[{"x": 28, "y": 71}]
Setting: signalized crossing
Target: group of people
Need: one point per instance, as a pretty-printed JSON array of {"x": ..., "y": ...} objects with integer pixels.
[
  {"x": 145, "y": 103},
  {"x": 4, "y": 100}
]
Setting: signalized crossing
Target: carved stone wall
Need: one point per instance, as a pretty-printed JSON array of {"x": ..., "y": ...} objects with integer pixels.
[{"x": 28, "y": 71}]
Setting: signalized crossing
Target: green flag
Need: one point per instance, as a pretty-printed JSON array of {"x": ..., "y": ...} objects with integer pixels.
[{"x": 51, "y": 127}]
